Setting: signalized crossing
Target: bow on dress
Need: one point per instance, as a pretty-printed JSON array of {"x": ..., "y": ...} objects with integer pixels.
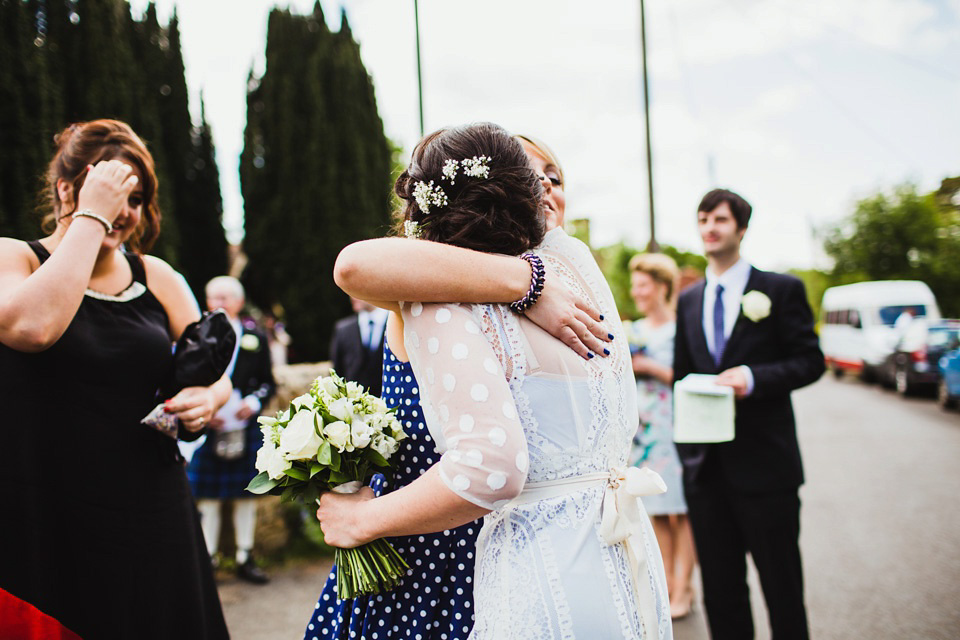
[{"x": 622, "y": 521}]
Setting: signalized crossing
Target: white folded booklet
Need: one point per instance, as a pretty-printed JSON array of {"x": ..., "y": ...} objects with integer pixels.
[{"x": 702, "y": 410}]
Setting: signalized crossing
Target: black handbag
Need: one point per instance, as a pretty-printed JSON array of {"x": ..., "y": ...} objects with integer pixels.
[
  {"x": 202, "y": 354},
  {"x": 200, "y": 358}
]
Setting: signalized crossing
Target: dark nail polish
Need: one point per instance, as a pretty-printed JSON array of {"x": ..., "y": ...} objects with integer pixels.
[
  {"x": 610, "y": 336},
  {"x": 601, "y": 316},
  {"x": 589, "y": 354},
  {"x": 606, "y": 352}
]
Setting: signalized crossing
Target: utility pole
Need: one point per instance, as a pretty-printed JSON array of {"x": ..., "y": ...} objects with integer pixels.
[
  {"x": 652, "y": 246},
  {"x": 416, "y": 20}
]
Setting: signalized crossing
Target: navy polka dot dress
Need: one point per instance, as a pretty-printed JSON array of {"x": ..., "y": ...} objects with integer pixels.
[{"x": 435, "y": 599}]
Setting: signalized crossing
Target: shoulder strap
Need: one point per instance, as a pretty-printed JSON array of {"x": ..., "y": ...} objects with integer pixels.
[
  {"x": 39, "y": 249},
  {"x": 137, "y": 267}
]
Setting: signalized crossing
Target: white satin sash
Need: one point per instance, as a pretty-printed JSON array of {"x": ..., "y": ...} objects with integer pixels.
[{"x": 621, "y": 520}]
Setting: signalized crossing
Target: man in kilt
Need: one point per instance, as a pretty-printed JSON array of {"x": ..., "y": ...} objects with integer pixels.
[{"x": 223, "y": 466}]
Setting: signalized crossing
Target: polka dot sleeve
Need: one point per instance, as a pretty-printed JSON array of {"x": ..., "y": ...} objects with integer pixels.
[{"x": 467, "y": 400}]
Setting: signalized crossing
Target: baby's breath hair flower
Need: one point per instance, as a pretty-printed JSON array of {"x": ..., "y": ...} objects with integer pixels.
[
  {"x": 450, "y": 170},
  {"x": 476, "y": 167},
  {"x": 411, "y": 229},
  {"x": 428, "y": 194}
]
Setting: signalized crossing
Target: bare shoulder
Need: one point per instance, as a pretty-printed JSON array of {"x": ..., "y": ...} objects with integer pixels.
[
  {"x": 17, "y": 259},
  {"x": 173, "y": 292},
  {"x": 14, "y": 252}
]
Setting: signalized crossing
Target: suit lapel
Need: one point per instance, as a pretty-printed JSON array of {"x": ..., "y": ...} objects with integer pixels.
[{"x": 740, "y": 326}]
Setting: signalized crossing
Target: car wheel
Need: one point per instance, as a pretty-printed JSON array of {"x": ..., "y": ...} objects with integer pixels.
[
  {"x": 837, "y": 372},
  {"x": 902, "y": 382},
  {"x": 944, "y": 398}
]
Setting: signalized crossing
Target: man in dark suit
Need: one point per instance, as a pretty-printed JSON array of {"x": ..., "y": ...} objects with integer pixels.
[
  {"x": 754, "y": 329},
  {"x": 223, "y": 466},
  {"x": 356, "y": 347}
]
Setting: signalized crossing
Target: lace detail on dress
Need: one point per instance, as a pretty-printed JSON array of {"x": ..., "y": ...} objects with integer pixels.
[{"x": 538, "y": 564}]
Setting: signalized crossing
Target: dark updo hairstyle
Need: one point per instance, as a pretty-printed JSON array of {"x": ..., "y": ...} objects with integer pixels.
[
  {"x": 87, "y": 143},
  {"x": 501, "y": 213}
]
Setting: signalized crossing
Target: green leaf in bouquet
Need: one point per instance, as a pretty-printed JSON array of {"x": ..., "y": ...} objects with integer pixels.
[
  {"x": 297, "y": 473},
  {"x": 376, "y": 458},
  {"x": 262, "y": 483},
  {"x": 310, "y": 494},
  {"x": 288, "y": 494},
  {"x": 324, "y": 456},
  {"x": 334, "y": 459},
  {"x": 315, "y": 468},
  {"x": 338, "y": 477}
]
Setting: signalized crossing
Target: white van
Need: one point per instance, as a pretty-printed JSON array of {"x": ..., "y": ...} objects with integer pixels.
[{"x": 860, "y": 323}]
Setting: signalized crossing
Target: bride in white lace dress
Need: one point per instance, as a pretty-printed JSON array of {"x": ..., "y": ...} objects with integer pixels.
[{"x": 532, "y": 435}]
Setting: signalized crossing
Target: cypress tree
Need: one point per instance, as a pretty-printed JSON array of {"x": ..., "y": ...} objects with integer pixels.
[
  {"x": 65, "y": 61},
  {"x": 315, "y": 172}
]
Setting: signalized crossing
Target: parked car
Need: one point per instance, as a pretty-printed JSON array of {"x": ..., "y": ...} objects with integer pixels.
[
  {"x": 914, "y": 365},
  {"x": 860, "y": 323},
  {"x": 948, "y": 391}
]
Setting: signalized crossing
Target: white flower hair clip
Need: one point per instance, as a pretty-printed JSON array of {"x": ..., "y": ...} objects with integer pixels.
[
  {"x": 428, "y": 194},
  {"x": 475, "y": 167},
  {"x": 411, "y": 229},
  {"x": 450, "y": 169}
]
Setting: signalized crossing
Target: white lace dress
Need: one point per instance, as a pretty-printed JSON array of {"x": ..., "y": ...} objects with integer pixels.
[{"x": 511, "y": 410}]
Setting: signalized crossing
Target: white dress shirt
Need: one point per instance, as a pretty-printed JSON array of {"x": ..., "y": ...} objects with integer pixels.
[
  {"x": 374, "y": 321},
  {"x": 734, "y": 281}
]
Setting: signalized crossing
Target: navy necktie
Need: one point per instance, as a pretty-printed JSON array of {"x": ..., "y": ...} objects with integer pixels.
[
  {"x": 371, "y": 339},
  {"x": 719, "y": 337}
]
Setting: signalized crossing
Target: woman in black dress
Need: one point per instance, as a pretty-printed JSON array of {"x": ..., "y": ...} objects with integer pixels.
[{"x": 99, "y": 531}]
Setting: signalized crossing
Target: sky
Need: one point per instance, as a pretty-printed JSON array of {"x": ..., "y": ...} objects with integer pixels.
[{"x": 801, "y": 107}]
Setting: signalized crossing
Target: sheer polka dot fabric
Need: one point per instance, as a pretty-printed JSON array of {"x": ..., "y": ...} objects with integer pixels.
[{"x": 468, "y": 402}]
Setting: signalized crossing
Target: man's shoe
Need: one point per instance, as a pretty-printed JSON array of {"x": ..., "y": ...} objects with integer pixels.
[{"x": 250, "y": 572}]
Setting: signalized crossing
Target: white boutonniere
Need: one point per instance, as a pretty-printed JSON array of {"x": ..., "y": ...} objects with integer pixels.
[
  {"x": 755, "y": 305},
  {"x": 249, "y": 342}
]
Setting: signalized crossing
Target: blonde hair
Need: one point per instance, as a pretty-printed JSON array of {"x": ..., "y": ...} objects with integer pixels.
[
  {"x": 661, "y": 268},
  {"x": 545, "y": 151}
]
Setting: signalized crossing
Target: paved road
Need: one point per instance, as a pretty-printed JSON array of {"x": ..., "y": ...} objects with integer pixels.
[{"x": 880, "y": 538}]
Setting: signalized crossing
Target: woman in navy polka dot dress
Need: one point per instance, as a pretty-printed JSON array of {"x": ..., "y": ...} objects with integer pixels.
[{"x": 434, "y": 600}]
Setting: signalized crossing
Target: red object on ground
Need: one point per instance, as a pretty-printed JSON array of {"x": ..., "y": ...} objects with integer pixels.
[{"x": 21, "y": 620}]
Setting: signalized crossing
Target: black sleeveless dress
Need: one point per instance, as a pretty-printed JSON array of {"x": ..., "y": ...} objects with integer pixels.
[{"x": 99, "y": 528}]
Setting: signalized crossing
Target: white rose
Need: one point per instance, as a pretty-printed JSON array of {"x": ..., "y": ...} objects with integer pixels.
[
  {"x": 300, "y": 441},
  {"x": 385, "y": 446},
  {"x": 329, "y": 386},
  {"x": 341, "y": 409},
  {"x": 396, "y": 429},
  {"x": 379, "y": 405},
  {"x": 338, "y": 433},
  {"x": 304, "y": 401},
  {"x": 755, "y": 305},
  {"x": 270, "y": 460},
  {"x": 376, "y": 421},
  {"x": 354, "y": 390},
  {"x": 360, "y": 433}
]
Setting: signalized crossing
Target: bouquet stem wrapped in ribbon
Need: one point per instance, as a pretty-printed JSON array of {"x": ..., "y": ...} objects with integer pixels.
[{"x": 333, "y": 438}]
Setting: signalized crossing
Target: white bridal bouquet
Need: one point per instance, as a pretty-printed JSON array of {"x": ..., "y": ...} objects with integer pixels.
[{"x": 333, "y": 438}]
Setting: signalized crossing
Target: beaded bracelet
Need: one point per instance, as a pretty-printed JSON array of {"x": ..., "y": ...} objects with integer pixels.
[
  {"x": 87, "y": 213},
  {"x": 537, "y": 277}
]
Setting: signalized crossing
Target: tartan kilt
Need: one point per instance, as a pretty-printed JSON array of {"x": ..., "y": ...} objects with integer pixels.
[{"x": 211, "y": 477}]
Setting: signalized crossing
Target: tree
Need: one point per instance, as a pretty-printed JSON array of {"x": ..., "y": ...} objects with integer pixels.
[
  {"x": 65, "y": 62},
  {"x": 901, "y": 235},
  {"x": 315, "y": 172}
]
